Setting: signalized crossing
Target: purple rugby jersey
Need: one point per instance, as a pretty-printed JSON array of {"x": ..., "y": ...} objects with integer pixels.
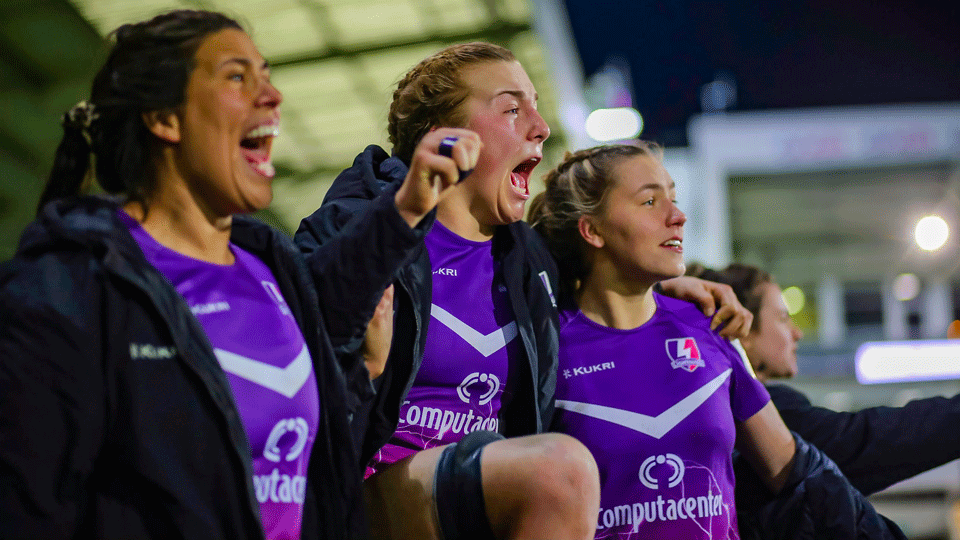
[
  {"x": 656, "y": 405},
  {"x": 471, "y": 337},
  {"x": 270, "y": 371}
]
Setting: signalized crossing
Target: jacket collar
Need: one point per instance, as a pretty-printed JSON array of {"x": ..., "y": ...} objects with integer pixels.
[{"x": 92, "y": 222}]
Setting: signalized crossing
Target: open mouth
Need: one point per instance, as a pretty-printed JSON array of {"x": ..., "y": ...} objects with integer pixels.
[
  {"x": 520, "y": 176},
  {"x": 673, "y": 243},
  {"x": 255, "y": 147}
]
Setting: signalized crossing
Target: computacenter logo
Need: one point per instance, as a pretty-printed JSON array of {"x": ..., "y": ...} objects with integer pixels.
[
  {"x": 277, "y": 487},
  {"x": 489, "y": 379},
  {"x": 671, "y": 459},
  {"x": 688, "y": 507},
  {"x": 445, "y": 420},
  {"x": 271, "y": 450}
]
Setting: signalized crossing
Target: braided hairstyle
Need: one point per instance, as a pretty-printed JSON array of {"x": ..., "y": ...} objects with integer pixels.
[
  {"x": 745, "y": 280},
  {"x": 147, "y": 70},
  {"x": 431, "y": 93},
  {"x": 578, "y": 187}
]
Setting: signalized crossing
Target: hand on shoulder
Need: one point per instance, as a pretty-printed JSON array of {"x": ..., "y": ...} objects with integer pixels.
[{"x": 731, "y": 320}]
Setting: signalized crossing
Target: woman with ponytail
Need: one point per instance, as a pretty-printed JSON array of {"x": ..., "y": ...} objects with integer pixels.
[
  {"x": 165, "y": 369},
  {"x": 657, "y": 395}
]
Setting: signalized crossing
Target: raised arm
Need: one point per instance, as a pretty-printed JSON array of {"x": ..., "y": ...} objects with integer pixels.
[{"x": 355, "y": 244}]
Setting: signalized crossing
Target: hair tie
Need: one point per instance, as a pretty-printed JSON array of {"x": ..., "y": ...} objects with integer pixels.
[{"x": 81, "y": 117}]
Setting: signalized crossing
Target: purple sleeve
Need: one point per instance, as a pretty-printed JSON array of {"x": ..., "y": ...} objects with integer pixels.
[{"x": 747, "y": 394}]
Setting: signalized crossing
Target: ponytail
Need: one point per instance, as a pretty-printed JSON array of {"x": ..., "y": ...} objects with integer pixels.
[
  {"x": 71, "y": 163},
  {"x": 105, "y": 138}
]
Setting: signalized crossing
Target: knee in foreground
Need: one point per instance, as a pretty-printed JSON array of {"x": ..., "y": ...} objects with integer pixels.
[{"x": 565, "y": 474}]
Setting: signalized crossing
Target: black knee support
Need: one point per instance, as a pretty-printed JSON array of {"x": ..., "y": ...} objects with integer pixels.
[{"x": 458, "y": 489}]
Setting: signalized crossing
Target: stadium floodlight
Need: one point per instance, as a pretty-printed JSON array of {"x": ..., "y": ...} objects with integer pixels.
[
  {"x": 620, "y": 124},
  {"x": 931, "y": 233}
]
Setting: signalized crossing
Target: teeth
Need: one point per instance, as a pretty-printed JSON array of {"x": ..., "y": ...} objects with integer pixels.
[
  {"x": 672, "y": 243},
  {"x": 267, "y": 130},
  {"x": 267, "y": 169},
  {"x": 528, "y": 165}
]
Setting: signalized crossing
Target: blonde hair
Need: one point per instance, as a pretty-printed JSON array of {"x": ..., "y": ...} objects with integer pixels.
[
  {"x": 578, "y": 187},
  {"x": 431, "y": 93}
]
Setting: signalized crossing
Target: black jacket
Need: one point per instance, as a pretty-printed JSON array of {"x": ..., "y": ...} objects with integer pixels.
[
  {"x": 880, "y": 446},
  {"x": 357, "y": 200},
  {"x": 817, "y": 502},
  {"x": 116, "y": 420}
]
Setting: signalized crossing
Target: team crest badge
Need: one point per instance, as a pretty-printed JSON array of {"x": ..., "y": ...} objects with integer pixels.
[{"x": 684, "y": 354}]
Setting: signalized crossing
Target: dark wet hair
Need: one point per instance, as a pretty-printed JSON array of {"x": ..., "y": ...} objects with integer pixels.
[
  {"x": 146, "y": 70},
  {"x": 578, "y": 187},
  {"x": 431, "y": 93}
]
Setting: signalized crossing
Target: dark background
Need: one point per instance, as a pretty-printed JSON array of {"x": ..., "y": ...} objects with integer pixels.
[{"x": 781, "y": 54}]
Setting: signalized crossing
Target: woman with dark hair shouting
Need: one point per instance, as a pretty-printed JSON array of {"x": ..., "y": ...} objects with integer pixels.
[{"x": 165, "y": 370}]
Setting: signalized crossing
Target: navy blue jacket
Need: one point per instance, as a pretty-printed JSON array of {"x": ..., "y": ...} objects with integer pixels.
[
  {"x": 816, "y": 502},
  {"x": 357, "y": 201},
  {"x": 880, "y": 446},
  {"x": 116, "y": 420}
]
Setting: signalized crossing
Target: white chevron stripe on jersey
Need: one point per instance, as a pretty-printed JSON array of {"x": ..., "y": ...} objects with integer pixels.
[
  {"x": 286, "y": 381},
  {"x": 657, "y": 426},
  {"x": 485, "y": 344}
]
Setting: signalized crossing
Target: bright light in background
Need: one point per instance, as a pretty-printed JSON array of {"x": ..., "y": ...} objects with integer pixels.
[
  {"x": 794, "y": 298},
  {"x": 906, "y": 287},
  {"x": 931, "y": 233},
  {"x": 907, "y": 361},
  {"x": 605, "y": 125}
]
